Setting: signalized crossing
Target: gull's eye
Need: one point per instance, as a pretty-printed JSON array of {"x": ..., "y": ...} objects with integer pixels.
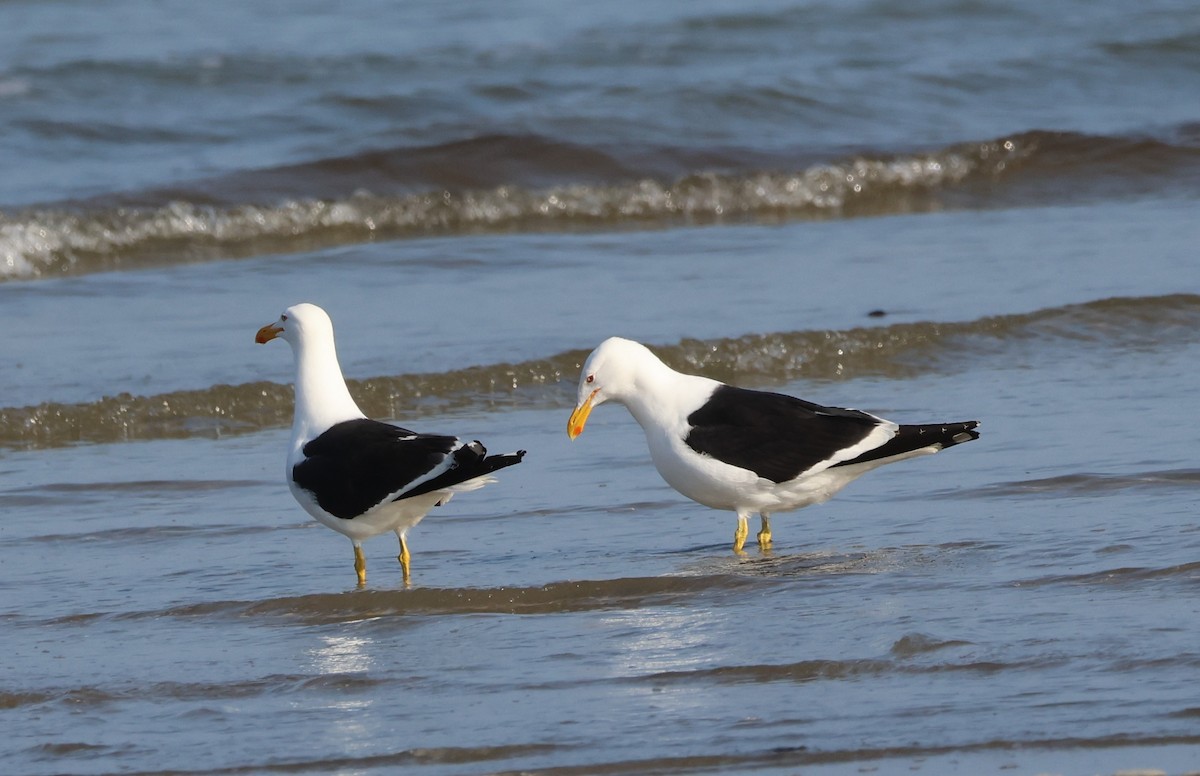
[
  {"x": 591, "y": 378},
  {"x": 283, "y": 317}
]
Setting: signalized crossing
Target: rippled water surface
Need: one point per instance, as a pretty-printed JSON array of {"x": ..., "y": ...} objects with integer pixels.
[{"x": 932, "y": 211}]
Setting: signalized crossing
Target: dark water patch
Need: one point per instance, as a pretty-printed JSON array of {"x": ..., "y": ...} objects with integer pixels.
[
  {"x": 14, "y": 700},
  {"x": 815, "y": 565},
  {"x": 1084, "y": 484},
  {"x": 407, "y": 758},
  {"x": 478, "y": 163},
  {"x": 909, "y": 349},
  {"x": 1071, "y": 168},
  {"x": 553, "y": 598},
  {"x": 1192, "y": 712},
  {"x": 70, "y": 749},
  {"x": 142, "y": 486},
  {"x": 914, "y": 644},
  {"x": 74, "y": 493},
  {"x": 819, "y": 565},
  {"x": 1180, "y": 662},
  {"x": 100, "y": 133},
  {"x": 81, "y": 752},
  {"x": 280, "y": 684},
  {"x": 147, "y": 534},
  {"x": 806, "y": 671},
  {"x": 1182, "y": 49},
  {"x": 83, "y": 697},
  {"x": 267, "y": 685},
  {"x": 502, "y": 183},
  {"x": 1188, "y": 573},
  {"x": 73, "y": 620},
  {"x": 802, "y": 671},
  {"x": 226, "y": 410},
  {"x": 904, "y": 757},
  {"x": 894, "y": 351}
]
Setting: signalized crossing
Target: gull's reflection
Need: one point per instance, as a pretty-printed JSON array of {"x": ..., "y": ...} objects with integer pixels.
[{"x": 342, "y": 654}]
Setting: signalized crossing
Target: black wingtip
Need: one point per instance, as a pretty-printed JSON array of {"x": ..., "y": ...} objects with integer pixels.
[
  {"x": 496, "y": 462},
  {"x": 961, "y": 432},
  {"x": 933, "y": 436}
]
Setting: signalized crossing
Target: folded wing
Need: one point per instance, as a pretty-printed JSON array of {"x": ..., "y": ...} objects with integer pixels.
[{"x": 359, "y": 464}]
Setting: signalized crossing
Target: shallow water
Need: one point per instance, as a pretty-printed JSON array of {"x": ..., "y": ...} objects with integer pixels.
[{"x": 480, "y": 198}]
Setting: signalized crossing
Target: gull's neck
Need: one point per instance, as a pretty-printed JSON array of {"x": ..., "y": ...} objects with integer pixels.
[
  {"x": 662, "y": 395},
  {"x": 322, "y": 398}
]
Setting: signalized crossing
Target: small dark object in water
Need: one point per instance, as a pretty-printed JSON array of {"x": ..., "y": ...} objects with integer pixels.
[{"x": 877, "y": 313}]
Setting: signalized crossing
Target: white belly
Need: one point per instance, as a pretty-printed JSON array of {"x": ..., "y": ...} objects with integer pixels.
[
  {"x": 391, "y": 516},
  {"x": 719, "y": 485}
]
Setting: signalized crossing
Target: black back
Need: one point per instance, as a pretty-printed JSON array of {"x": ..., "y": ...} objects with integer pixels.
[
  {"x": 773, "y": 435},
  {"x": 356, "y": 464}
]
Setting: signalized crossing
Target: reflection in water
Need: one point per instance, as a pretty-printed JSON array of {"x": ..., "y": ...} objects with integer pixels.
[
  {"x": 657, "y": 640},
  {"x": 345, "y": 654},
  {"x": 342, "y": 654}
]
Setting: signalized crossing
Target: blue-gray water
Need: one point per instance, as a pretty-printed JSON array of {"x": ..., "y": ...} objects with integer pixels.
[{"x": 479, "y": 193}]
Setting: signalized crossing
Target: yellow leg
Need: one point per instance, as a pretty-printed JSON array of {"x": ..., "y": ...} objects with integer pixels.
[
  {"x": 764, "y": 535},
  {"x": 360, "y": 565},
  {"x": 743, "y": 530},
  {"x": 404, "y": 557}
]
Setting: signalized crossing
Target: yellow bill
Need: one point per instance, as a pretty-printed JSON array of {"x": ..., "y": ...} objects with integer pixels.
[
  {"x": 579, "y": 417},
  {"x": 267, "y": 333}
]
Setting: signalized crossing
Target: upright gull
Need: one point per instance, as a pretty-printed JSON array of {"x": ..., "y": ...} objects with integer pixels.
[
  {"x": 362, "y": 477},
  {"x": 747, "y": 451}
]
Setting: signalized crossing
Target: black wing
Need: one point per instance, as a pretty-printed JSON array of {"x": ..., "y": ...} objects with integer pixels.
[
  {"x": 914, "y": 437},
  {"x": 775, "y": 436},
  {"x": 357, "y": 464}
]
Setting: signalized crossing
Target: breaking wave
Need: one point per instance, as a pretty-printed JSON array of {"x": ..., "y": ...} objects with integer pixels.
[{"x": 506, "y": 183}]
